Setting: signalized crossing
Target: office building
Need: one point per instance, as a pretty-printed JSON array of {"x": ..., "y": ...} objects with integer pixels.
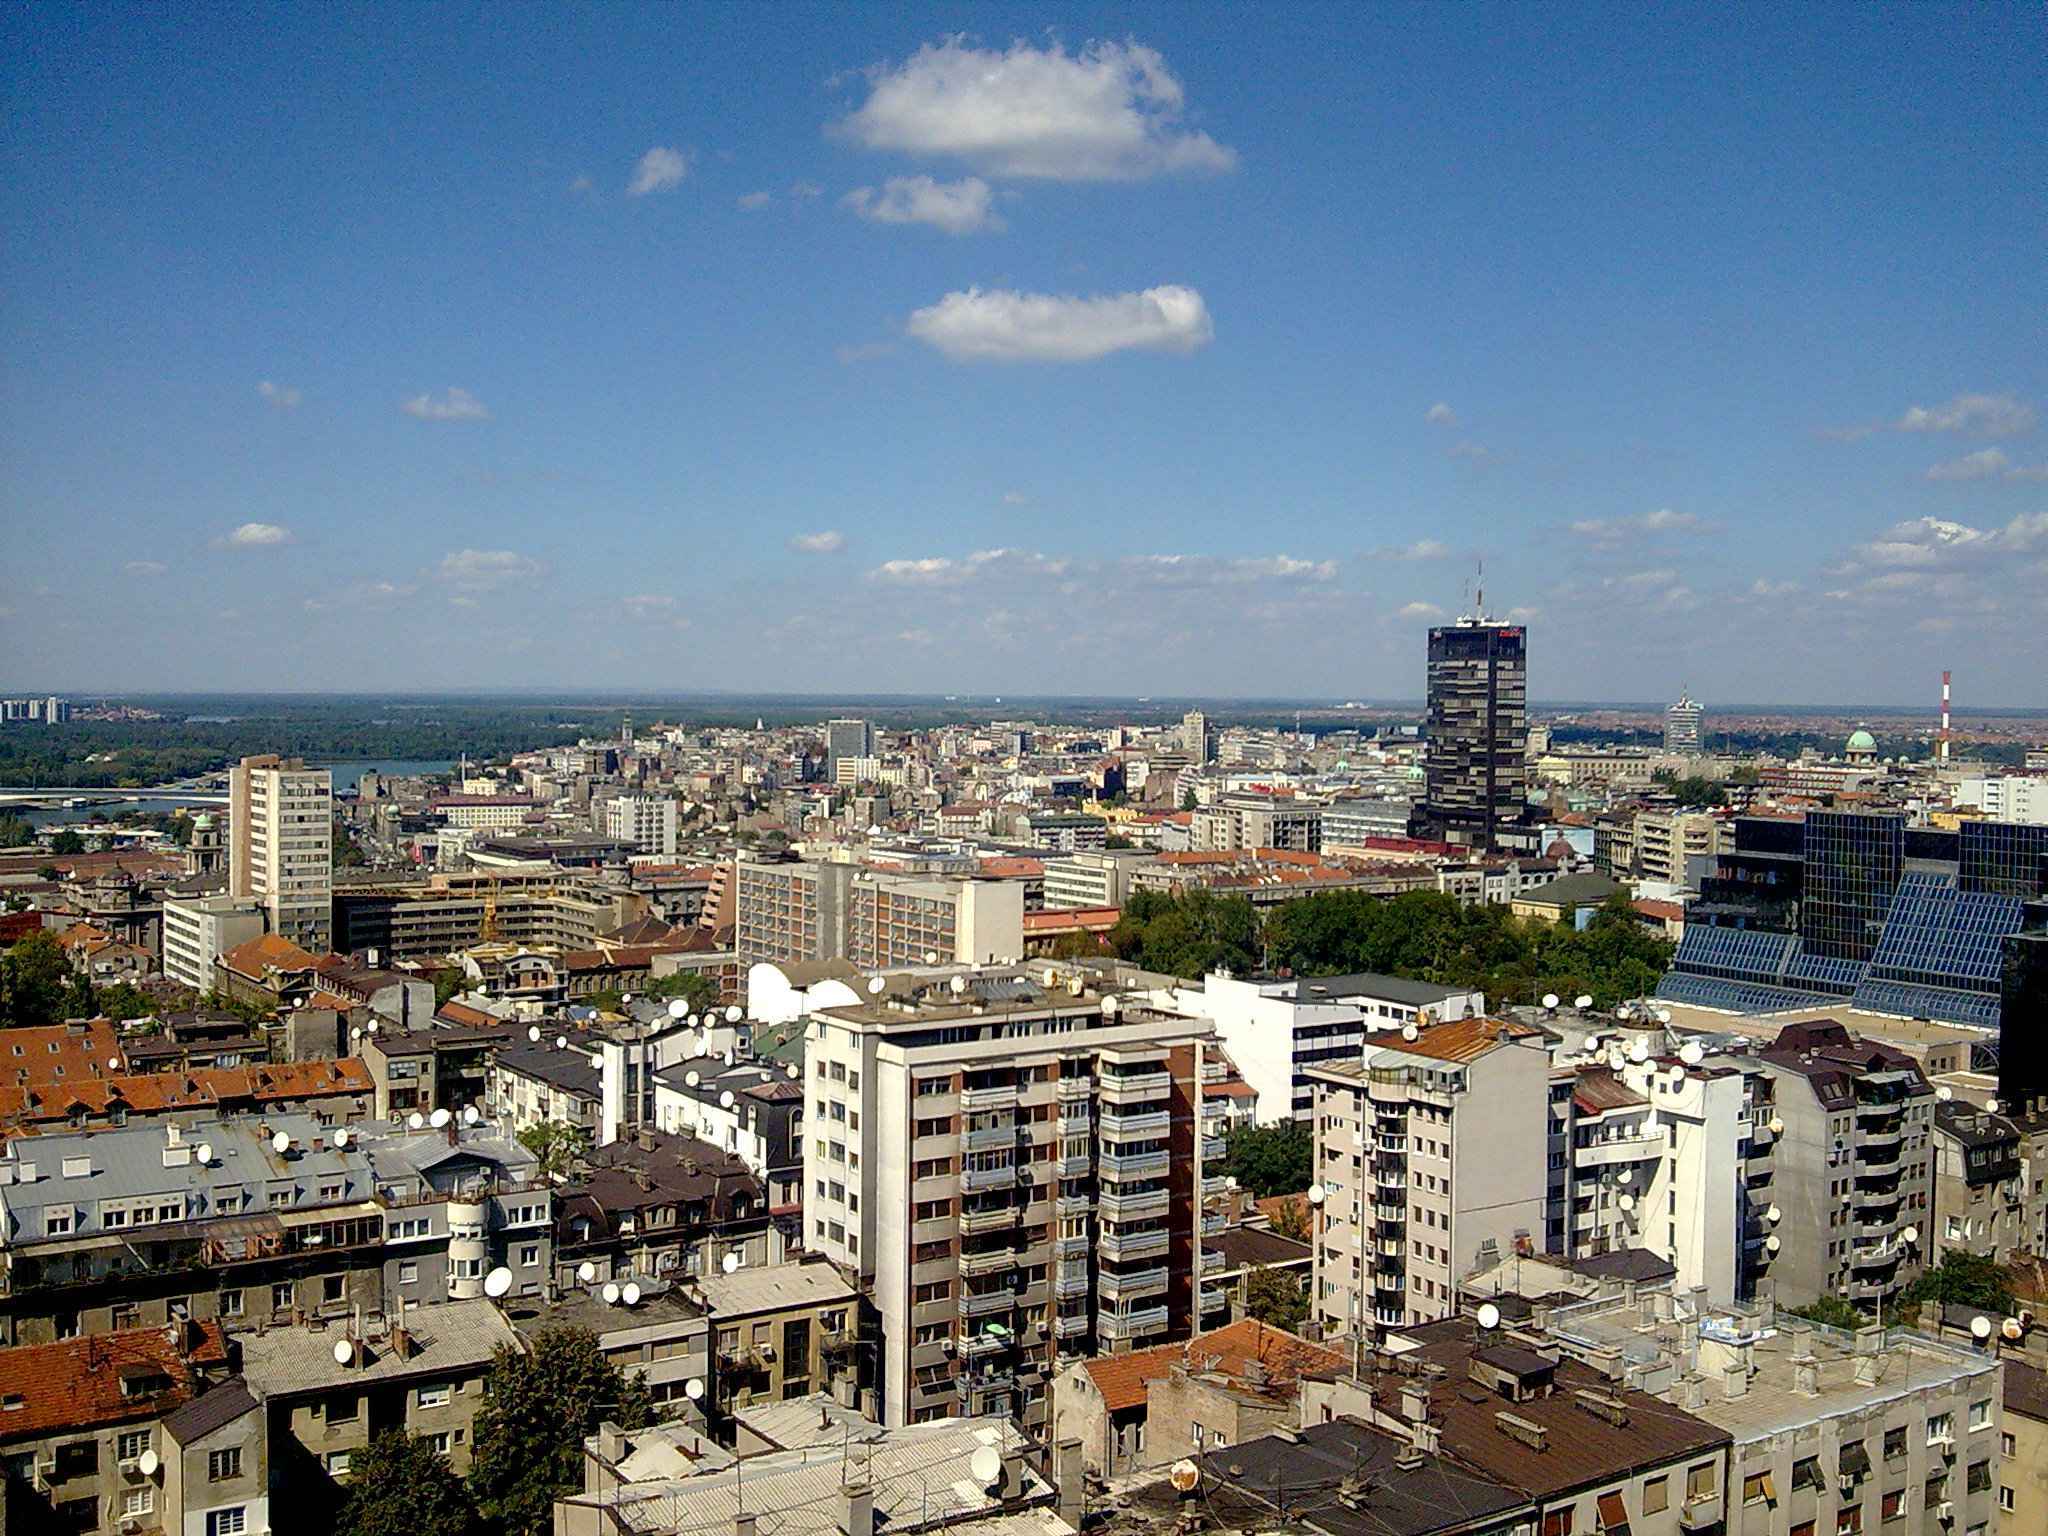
[
  {"x": 1426, "y": 1170},
  {"x": 2006, "y": 796},
  {"x": 1017, "y": 1170},
  {"x": 1682, "y": 725},
  {"x": 198, "y": 930},
  {"x": 1098, "y": 878},
  {"x": 647, "y": 822},
  {"x": 846, "y": 740},
  {"x": 1247, "y": 822},
  {"x": 281, "y": 846},
  {"x": 1195, "y": 737},
  {"x": 791, "y": 911},
  {"x": 1475, "y": 777}
]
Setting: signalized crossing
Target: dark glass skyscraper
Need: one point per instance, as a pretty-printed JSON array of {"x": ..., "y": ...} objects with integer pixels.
[{"x": 1476, "y": 781}]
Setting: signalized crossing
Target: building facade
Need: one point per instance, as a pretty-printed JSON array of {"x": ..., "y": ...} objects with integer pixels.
[
  {"x": 1475, "y": 775},
  {"x": 281, "y": 846}
]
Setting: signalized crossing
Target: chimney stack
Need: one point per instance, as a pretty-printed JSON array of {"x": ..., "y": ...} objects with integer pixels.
[
  {"x": 744, "y": 1522},
  {"x": 1013, "y": 1472},
  {"x": 856, "y": 1509},
  {"x": 1067, "y": 1472},
  {"x": 1805, "y": 1376}
]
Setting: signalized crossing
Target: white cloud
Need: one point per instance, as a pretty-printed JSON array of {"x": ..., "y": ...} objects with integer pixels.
[
  {"x": 827, "y": 541},
  {"x": 1441, "y": 415},
  {"x": 659, "y": 169},
  {"x": 1421, "y": 549},
  {"x": 259, "y": 536},
  {"x": 804, "y": 191},
  {"x": 282, "y": 396},
  {"x": 1979, "y": 415},
  {"x": 487, "y": 570},
  {"x": 943, "y": 570},
  {"x": 1764, "y": 587},
  {"x": 754, "y": 201},
  {"x": 1165, "y": 572},
  {"x": 2027, "y": 472},
  {"x": 1612, "y": 530},
  {"x": 582, "y": 186},
  {"x": 1477, "y": 453},
  {"x": 145, "y": 568},
  {"x": 654, "y": 608},
  {"x": 1229, "y": 571},
  {"x": 455, "y": 405},
  {"x": 1108, "y": 112},
  {"x": 361, "y": 594},
  {"x": 1936, "y": 543},
  {"x": 958, "y": 207},
  {"x": 1413, "y": 611},
  {"x": 1005, "y": 326},
  {"x": 1984, "y": 464}
]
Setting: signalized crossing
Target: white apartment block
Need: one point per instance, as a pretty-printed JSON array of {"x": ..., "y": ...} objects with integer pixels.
[
  {"x": 198, "y": 930},
  {"x": 1091, "y": 878},
  {"x": 1238, "y": 822},
  {"x": 1277, "y": 1028},
  {"x": 1422, "y": 1177},
  {"x": 648, "y": 822},
  {"x": 1019, "y": 1172},
  {"x": 2007, "y": 796},
  {"x": 281, "y": 846}
]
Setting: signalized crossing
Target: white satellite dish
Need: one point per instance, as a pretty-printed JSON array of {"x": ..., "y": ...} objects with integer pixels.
[
  {"x": 2013, "y": 1329},
  {"x": 1184, "y": 1475},
  {"x": 985, "y": 1465},
  {"x": 730, "y": 1263},
  {"x": 693, "y": 1389},
  {"x": 1774, "y": 1215},
  {"x": 1991, "y": 1105},
  {"x": 1592, "y": 1045},
  {"x": 471, "y": 1115},
  {"x": 280, "y": 1143},
  {"x": 790, "y": 1071},
  {"x": 1615, "y": 1059},
  {"x": 205, "y": 1153},
  {"x": 679, "y": 1009},
  {"x": 1049, "y": 976},
  {"x": 533, "y": 1033},
  {"x": 356, "y": 1033},
  {"x": 1626, "y": 1176},
  {"x": 610, "y": 1293},
  {"x": 725, "y": 1099},
  {"x": 586, "y": 1272},
  {"x": 1411, "y": 1032},
  {"x": 343, "y": 1351},
  {"x": 1109, "y": 1005},
  {"x": 1980, "y": 1328},
  {"x": 372, "y": 1026},
  {"x": 497, "y": 1282},
  {"x": 340, "y": 1137},
  {"x": 1777, "y": 1126},
  {"x": 439, "y": 1118},
  {"x": 561, "y": 1042},
  {"x": 1663, "y": 1015},
  {"x": 415, "y": 1120},
  {"x": 1628, "y": 1202},
  {"x": 958, "y": 984},
  {"x": 1911, "y": 1234},
  {"x": 1489, "y": 1315},
  {"x": 1639, "y": 1050},
  {"x": 1317, "y": 1194},
  {"x": 1944, "y": 1094},
  {"x": 1583, "y": 1000},
  {"x": 734, "y": 1014},
  {"x": 931, "y": 957},
  {"x": 631, "y": 1294},
  {"x": 1550, "y": 1001},
  {"x": 1772, "y": 1243},
  {"x": 876, "y": 985},
  {"x": 691, "y": 1079},
  {"x": 1691, "y": 1054},
  {"x": 147, "y": 1463}
]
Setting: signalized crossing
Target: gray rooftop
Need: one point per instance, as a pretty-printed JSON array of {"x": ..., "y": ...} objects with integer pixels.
[
  {"x": 1370, "y": 984},
  {"x": 452, "y": 1336},
  {"x": 773, "y": 1288}
]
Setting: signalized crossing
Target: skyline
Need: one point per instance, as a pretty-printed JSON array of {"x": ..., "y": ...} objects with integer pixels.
[{"x": 784, "y": 360}]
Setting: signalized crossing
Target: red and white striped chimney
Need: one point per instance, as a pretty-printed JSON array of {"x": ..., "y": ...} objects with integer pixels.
[{"x": 1943, "y": 750}]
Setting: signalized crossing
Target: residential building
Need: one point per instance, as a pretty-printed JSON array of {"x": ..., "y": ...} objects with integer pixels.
[
  {"x": 781, "y": 1331},
  {"x": 1248, "y": 822},
  {"x": 215, "y": 1454},
  {"x": 786, "y": 910},
  {"x": 1426, "y": 1170},
  {"x": 281, "y": 848},
  {"x": 665, "y": 1206},
  {"x": 2023, "y": 1446},
  {"x": 1098, "y": 879},
  {"x": 750, "y": 1109},
  {"x": 1276, "y": 1028},
  {"x": 646, "y": 1325},
  {"x": 198, "y": 930},
  {"x": 1014, "y": 1164},
  {"x": 1475, "y": 776},
  {"x": 846, "y": 739},
  {"x": 900, "y": 920},
  {"x": 1566, "y": 899},
  {"x": 1682, "y": 725},
  {"x": 2021, "y": 797},
  {"x": 1349, "y": 822},
  {"x": 1666, "y": 843},
  {"x": 648, "y": 822},
  {"x": 1982, "y": 1203},
  {"x": 427, "y": 917}
]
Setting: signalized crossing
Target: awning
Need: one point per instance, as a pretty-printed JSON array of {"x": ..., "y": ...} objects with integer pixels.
[
  {"x": 1613, "y": 1513},
  {"x": 1855, "y": 1459}
]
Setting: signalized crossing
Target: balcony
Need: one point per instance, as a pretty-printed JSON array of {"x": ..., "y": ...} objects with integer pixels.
[
  {"x": 1877, "y": 1109},
  {"x": 1071, "y": 1248},
  {"x": 1068, "y": 1324},
  {"x": 974, "y": 1100},
  {"x": 1119, "y": 1127},
  {"x": 1396, "y": 1214},
  {"x": 1004, "y": 1177},
  {"x": 1390, "y": 1178},
  {"x": 1882, "y": 1256},
  {"x": 1076, "y": 1088},
  {"x": 993, "y": 1219},
  {"x": 1142, "y": 1282},
  {"x": 1877, "y": 1199},
  {"x": 987, "y": 1303},
  {"x": 1067, "y": 1287},
  {"x": 1620, "y": 1149},
  {"x": 990, "y": 1137},
  {"x": 1214, "y": 1149},
  {"x": 1216, "y": 1184},
  {"x": 1134, "y": 1165},
  {"x": 981, "y": 1383},
  {"x": 1132, "y": 1325},
  {"x": 1390, "y": 1247},
  {"x": 1072, "y": 1167},
  {"x": 1135, "y": 1245},
  {"x": 979, "y": 1346},
  {"x": 1136, "y": 1088},
  {"x": 1389, "y": 1284},
  {"x": 996, "y": 1262},
  {"x": 1398, "y": 1144},
  {"x": 1074, "y": 1205},
  {"x": 1882, "y": 1165},
  {"x": 1135, "y": 1207}
]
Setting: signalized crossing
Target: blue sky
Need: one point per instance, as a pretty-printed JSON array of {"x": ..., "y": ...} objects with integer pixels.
[{"x": 1171, "y": 349}]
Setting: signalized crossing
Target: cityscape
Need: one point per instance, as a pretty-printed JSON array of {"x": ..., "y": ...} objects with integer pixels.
[{"x": 794, "y": 910}]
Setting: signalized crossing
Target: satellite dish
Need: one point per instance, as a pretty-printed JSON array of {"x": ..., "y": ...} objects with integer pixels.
[
  {"x": 1663, "y": 1015},
  {"x": 344, "y": 1352},
  {"x": 631, "y": 1294},
  {"x": 439, "y": 1118},
  {"x": 586, "y": 1271},
  {"x": 533, "y": 1033},
  {"x": 1980, "y": 1328},
  {"x": 1774, "y": 1215},
  {"x": 1911, "y": 1234},
  {"x": 356, "y": 1033},
  {"x": 1184, "y": 1474},
  {"x": 876, "y": 985},
  {"x": 471, "y": 1115},
  {"x": 790, "y": 1071},
  {"x": 734, "y": 1014},
  {"x": 1410, "y": 1032},
  {"x": 205, "y": 1153},
  {"x": 497, "y": 1282},
  {"x": 730, "y": 1263},
  {"x": 561, "y": 1042},
  {"x": 1050, "y": 977},
  {"x": 1109, "y": 1005},
  {"x": 2011, "y": 1329},
  {"x": 690, "y": 1078},
  {"x": 1691, "y": 1054},
  {"x": 1615, "y": 1058},
  {"x": 415, "y": 1120},
  {"x": 147, "y": 1463},
  {"x": 725, "y": 1099},
  {"x": 1317, "y": 1194},
  {"x": 1626, "y": 1176},
  {"x": 985, "y": 1465},
  {"x": 679, "y": 1009},
  {"x": 1628, "y": 1202},
  {"x": 1550, "y": 1000},
  {"x": 610, "y": 1293},
  {"x": 693, "y": 1389},
  {"x": 1592, "y": 1045},
  {"x": 280, "y": 1143},
  {"x": 931, "y": 957},
  {"x": 1777, "y": 1126},
  {"x": 1489, "y": 1316},
  {"x": 959, "y": 985},
  {"x": 113, "y": 1063},
  {"x": 372, "y": 1026},
  {"x": 1772, "y": 1243},
  {"x": 1944, "y": 1094},
  {"x": 339, "y": 1138},
  {"x": 1583, "y": 1000},
  {"x": 1991, "y": 1105},
  {"x": 1639, "y": 1050}
]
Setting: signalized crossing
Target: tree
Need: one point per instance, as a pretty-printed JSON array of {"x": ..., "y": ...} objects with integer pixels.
[
  {"x": 124, "y": 1000},
  {"x": 1117, "y": 840},
  {"x": 558, "y": 1144},
  {"x": 81, "y": 999},
  {"x": 1832, "y": 1312},
  {"x": 34, "y": 980},
  {"x": 1290, "y": 1219},
  {"x": 15, "y": 832},
  {"x": 1188, "y": 935},
  {"x": 401, "y": 1486},
  {"x": 1274, "y": 1297},
  {"x": 1964, "y": 1279},
  {"x": 1271, "y": 1159},
  {"x": 447, "y": 982},
  {"x": 538, "y": 1406},
  {"x": 1187, "y": 800},
  {"x": 693, "y": 987},
  {"x": 67, "y": 841}
]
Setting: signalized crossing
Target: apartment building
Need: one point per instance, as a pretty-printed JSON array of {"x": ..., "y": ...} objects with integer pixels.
[
  {"x": 482, "y": 812},
  {"x": 1017, "y": 1166},
  {"x": 1240, "y": 822},
  {"x": 198, "y": 930},
  {"x": 1854, "y": 1165},
  {"x": 281, "y": 846},
  {"x": 1422, "y": 1176},
  {"x": 895, "y": 921},
  {"x": 1666, "y": 840},
  {"x": 1982, "y": 1201},
  {"x": 648, "y": 822},
  {"x": 781, "y": 1331},
  {"x": 787, "y": 910},
  {"x": 1276, "y": 1028},
  {"x": 1091, "y": 879},
  {"x": 415, "y": 918}
]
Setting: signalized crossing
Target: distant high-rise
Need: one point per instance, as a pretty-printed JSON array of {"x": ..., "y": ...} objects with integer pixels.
[
  {"x": 1194, "y": 735},
  {"x": 1682, "y": 724},
  {"x": 846, "y": 739},
  {"x": 1475, "y": 777},
  {"x": 281, "y": 846}
]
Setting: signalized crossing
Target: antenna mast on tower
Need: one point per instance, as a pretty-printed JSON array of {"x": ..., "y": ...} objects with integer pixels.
[{"x": 1941, "y": 749}]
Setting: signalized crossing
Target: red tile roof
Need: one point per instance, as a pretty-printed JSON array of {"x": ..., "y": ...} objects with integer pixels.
[
  {"x": 39, "y": 1055},
  {"x": 1125, "y": 1380},
  {"x": 77, "y": 1383},
  {"x": 271, "y": 949}
]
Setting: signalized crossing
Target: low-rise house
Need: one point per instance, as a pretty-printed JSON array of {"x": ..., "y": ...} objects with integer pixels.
[
  {"x": 270, "y": 972},
  {"x": 781, "y": 1330},
  {"x": 330, "y": 1092},
  {"x": 644, "y": 1326},
  {"x": 1231, "y": 1257},
  {"x": 216, "y": 1464},
  {"x": 662, "y": 1205},
  {"x": 1981, "y": 1202}
]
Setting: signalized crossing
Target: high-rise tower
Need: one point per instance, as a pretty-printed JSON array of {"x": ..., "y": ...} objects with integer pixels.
[
  {"x": 1682, "y": 724},
  {"x": 1476, "y": 780},
  {"x": 281, "y": 848}
]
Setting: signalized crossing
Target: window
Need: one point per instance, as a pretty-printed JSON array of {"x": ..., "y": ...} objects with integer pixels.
[
  {"x": 1980, "y": 1414},
  {"x": 408, "y": 1272},
  {"x": 1558, "y": 1522},
  {"x": 436, "y": 1442},
  {"x": 1803, "y": 1528},
  {"x": 342, "y": 1410},
  {"x": 1895, "y": 1442},
  {"x": 1656, "y": 1495},
  {"x": 2006, "y": 1445},
  {"x": 130, "y": 1444},
  {"x": 282, "y": 1297},
  {"x": 81, "y": 1458},
  {"x": 224, "y": 1464},
  {"x": 1849, "y": 1521},
  {"x": 1894, "y": 1505},
  {"x": 435, "y": 1396},
  {"x": 2005, "y": 1499},
  {"x": 137, "y": 1501},
  {"x": 529, "y": 1255},
  {"x": 1756, "y": 1487},
  {"x": 1979, "y": 1480},
  {"x": 1700, "y": 1482},
  {"x": 1940, "y": 1426},
  {"x": 1806, "y": 1471},
  {"x": 232, "y": 1521},
  {"x": 230, "y": 1303},
  {"x": 331, "y": 1288},
  {"x": 337, "y": 1463}
]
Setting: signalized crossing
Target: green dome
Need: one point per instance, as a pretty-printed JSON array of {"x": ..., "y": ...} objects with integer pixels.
[{"x": 1862, "y": 741}]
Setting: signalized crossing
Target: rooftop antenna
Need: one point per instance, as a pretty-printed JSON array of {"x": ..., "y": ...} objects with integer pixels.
[{"x": 1479, "y": 596}]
